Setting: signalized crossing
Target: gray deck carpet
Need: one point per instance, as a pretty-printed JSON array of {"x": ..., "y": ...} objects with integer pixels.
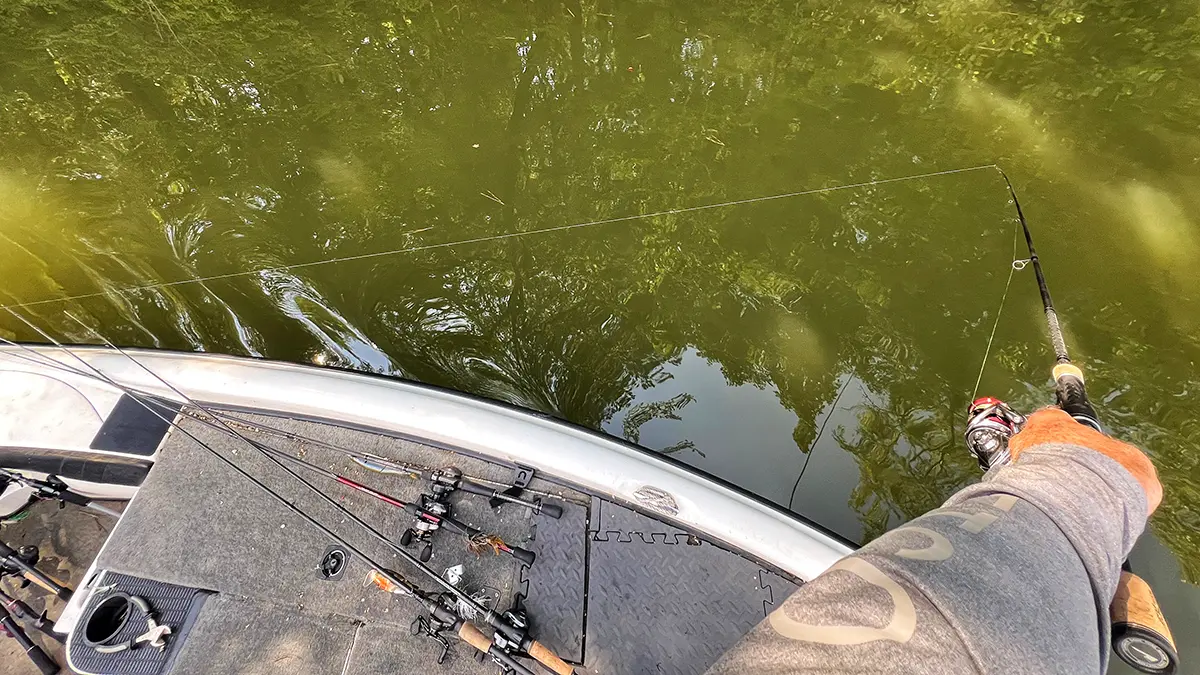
[
  {"x": 195, "y": 522},
  {"x": 612, "y": 590}
]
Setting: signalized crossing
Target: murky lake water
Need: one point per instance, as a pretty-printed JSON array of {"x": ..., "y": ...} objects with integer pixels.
[{"x": 835, "y": 336}]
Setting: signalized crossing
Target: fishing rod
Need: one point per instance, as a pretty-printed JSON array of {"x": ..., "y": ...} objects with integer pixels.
[
  {"x": 500, "y": 647},
  {"x": 23, "y": 612},
  {"x": 444, "y": 480},
  {"x": 511, "y": 634},
  {"x": 9, "y": 626},
  {"x": 451, "y": 478},
  {"x": 1140, "y": 634},
  {"x": 430, "y": 516},
  {"x": 1068, "y": 378},
  {"x": 448, "y": 478},
  {"x": 54, "y": 489},
  {"x": 21, "y": 562}
]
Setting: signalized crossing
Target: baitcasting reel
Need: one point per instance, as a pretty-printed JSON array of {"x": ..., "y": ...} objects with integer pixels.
[
  {"x": 423, "y": 527},
  {"x": 29, "y": 555},
  {"x": 990, "y": 424}
]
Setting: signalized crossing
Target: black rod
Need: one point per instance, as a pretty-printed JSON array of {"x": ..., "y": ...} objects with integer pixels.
[{"x": 1056, "y": 336}]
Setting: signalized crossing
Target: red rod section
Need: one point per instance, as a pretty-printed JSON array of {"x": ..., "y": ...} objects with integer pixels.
[{"x": 374, "y": 493}]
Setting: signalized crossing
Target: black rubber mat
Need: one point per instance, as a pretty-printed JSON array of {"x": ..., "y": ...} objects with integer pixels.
[
  {"x": 134, "y": 429},
  {"x": 174, "y": 606},
  {"x": 553, "y": 589},
  {"x": 659, "y": 604},
  {"x": 617, "y": 522}
]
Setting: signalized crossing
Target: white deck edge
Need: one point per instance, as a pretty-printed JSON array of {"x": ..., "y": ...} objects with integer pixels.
[{"x": 588, "y": 460}]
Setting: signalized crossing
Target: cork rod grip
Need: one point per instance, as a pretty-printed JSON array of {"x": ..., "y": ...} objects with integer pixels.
[
  {"x": 1135, "y": 604},
  {"x": 1136, "y": 616},
  {"x": 48, "y": 583},
  {"x": 544, "y": 656},
  {"x": 471, "y": 635}
]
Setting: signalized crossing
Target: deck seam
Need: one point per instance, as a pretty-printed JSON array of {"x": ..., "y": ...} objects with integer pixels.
[{"x": 358, "y": 625}]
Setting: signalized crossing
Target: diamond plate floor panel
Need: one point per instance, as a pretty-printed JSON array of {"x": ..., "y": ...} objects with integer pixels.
[
  {"x": 553, "y": 587},
  {"x": 659, "y": 605}
]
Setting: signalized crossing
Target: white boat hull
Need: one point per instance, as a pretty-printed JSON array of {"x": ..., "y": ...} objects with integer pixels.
[{"x": 586, "y": 460}]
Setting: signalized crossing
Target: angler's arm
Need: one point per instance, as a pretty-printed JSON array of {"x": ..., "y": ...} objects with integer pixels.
[{"x": 1014, "y": 574}]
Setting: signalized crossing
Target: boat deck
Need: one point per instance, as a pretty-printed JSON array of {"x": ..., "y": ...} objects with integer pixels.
[
  {"x": 612, "y": 590},
  {"x": 68, "y": 540}
]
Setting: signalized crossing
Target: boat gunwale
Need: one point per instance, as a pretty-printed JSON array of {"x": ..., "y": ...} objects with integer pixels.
[{"x": 823, "y": 546}]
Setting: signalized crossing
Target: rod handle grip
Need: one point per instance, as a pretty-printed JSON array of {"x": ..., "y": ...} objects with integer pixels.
[
  {"x": 542, "y": 654},
  {"x": 1140, "y": 634},
  {"x": 476, "y": 488},
  {"x": 1072, "y": 395},
  {"x": 47, "y": 583},
  {"x": 44, "y": 663},
  {"x": 470, "y": 634},
  {"x": 523, "y": 554},
  {"x": 552, "y": 510}
]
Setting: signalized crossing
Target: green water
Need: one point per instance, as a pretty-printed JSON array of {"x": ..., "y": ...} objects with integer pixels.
[{"x": 838, "y": 333}]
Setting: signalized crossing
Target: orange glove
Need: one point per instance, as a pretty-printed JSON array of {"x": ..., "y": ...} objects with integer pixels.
[{"x": 1051, "y": 425}]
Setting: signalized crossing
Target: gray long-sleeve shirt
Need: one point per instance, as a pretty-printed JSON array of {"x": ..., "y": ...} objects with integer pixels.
[{"x": 1012, "y": 575}]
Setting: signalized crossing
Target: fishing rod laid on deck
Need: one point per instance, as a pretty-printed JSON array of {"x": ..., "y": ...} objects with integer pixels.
[
  {"x": 511, "y": 637},
  {"x": 443, "y": 480},
  {"x": 21, "y": 611},
  {"x": 21, "y": 562},
  {"x": 1140, "y": 634},
  {"x": 9, "y": 627},
  {"x": 428, "y": 516}
]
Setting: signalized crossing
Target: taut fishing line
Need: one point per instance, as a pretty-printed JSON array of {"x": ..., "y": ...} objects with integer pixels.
[
  {"x": 497, "y": 237},
  {"x": 1017, "y": 266}
]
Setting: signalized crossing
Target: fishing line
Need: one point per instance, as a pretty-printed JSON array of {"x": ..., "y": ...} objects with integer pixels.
[
  {"x": 850, "y": 377},
  {"x": 1017, "y": 266},
  {"x": 497, "y": 237}
]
